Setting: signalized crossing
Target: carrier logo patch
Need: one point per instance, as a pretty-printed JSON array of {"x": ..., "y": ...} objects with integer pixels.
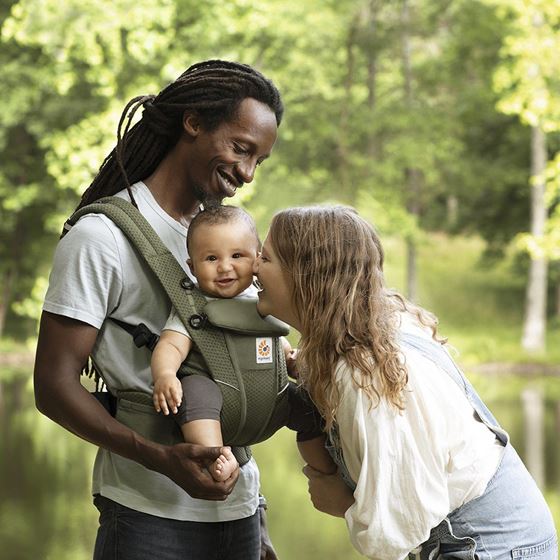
[{"x": 264, "y": 350}]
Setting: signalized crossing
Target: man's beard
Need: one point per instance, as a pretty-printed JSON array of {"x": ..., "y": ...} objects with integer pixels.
[{"x": 207, "y": 200}]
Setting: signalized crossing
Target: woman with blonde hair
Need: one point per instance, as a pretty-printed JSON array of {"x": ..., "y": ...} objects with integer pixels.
[{"x": 424, "y": 468}]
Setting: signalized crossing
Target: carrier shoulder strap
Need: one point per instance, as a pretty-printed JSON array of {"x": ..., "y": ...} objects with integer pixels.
[{"x": 184, "y": 295}]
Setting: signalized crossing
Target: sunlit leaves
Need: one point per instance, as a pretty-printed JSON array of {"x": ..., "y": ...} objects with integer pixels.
[
  {"x": 101, "y": 35},
  {"x": 528, "y": 81},
  {"x": 528, "y": 78}
]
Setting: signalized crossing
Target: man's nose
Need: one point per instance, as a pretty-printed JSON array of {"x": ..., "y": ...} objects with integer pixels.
[{"x": 246, "y": 170}]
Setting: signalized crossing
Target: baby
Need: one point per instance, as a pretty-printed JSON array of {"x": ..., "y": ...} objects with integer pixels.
[{"x": 223, "y": 244}]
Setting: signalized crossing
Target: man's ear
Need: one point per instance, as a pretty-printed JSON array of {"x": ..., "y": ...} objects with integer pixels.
[{"x": 191, "y": 124}]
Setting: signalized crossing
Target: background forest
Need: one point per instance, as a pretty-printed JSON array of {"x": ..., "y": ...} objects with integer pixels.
[{"x": 437, "y": 119}]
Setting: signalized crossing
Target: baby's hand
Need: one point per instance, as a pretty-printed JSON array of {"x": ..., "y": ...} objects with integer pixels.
[{"x": 168, "y": 394}]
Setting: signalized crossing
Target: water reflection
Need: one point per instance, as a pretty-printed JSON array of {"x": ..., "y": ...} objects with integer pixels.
[
  {"x": 45, "y": 504},
  {"x": 44, "y": 483},
  {"x": 513, "y": 418}
]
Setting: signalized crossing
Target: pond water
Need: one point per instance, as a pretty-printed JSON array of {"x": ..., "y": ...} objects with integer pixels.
[{"x": 45, "y": 506}]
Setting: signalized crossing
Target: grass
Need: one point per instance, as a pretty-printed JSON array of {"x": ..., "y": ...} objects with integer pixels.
[{"x": 480, "y": 306}]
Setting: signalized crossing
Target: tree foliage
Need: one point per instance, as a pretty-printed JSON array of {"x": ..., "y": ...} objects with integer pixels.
[{"x": 359, "y": 113}]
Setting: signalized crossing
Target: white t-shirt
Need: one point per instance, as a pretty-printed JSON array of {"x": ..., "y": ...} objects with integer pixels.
[
  {"x": 411, "y": 468},
  {"x": 97, "y": 274}
]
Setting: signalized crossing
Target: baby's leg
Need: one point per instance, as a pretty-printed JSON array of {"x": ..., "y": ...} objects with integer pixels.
[
  {"x": 209, "y": 433},
  {"x": 305, "y": 419},
  {"x": 199, "y": 419}
]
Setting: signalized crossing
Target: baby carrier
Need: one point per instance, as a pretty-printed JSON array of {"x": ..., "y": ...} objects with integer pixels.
[{"x": 234, "y": 346}]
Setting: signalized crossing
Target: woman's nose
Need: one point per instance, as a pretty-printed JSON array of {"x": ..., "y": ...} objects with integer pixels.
[{"x": 256, "y": 265}]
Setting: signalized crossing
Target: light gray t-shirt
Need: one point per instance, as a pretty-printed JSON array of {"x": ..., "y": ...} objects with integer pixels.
[{"x": 97, "y": 274}]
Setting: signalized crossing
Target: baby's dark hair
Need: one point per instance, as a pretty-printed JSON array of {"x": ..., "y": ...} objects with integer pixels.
[
  {"x": 217, "y": 215},
  {"x": 213, "y": 90}
]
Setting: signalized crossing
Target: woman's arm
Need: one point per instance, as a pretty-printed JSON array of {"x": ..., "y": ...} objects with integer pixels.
[
  {"x": 328, "y": 492},
  {"x": 63, "y": 347}
]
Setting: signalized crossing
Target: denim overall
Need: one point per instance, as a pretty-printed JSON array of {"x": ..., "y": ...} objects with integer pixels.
[{"x": 511, "y": 519}]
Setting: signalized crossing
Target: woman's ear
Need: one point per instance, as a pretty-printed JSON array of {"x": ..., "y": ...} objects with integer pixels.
[{"x": 191, "y": 124}]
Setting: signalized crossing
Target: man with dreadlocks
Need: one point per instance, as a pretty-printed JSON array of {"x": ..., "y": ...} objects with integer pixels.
[{"x": 198, "y": 141}]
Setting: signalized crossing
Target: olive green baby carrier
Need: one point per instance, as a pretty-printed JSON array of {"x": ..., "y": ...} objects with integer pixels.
[{"x": 235, "y": 347}]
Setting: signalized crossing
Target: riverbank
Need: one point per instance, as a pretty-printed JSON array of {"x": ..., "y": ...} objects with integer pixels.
[{"x": 24, "y": 359}]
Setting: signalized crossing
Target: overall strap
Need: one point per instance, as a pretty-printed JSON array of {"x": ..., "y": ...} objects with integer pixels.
[{"x": 439, "y": 355}]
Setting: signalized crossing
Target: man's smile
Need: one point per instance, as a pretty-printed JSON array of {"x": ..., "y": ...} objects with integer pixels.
[{"x": 228, "y": 182}]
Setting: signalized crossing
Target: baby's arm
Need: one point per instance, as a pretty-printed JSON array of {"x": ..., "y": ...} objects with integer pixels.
[{"x": 169, "y": 353}]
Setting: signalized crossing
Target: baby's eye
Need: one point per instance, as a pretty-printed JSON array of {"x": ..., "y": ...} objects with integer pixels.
[
  {"x": 236, "y": 255},
  {"x": 211, "y": 258}
]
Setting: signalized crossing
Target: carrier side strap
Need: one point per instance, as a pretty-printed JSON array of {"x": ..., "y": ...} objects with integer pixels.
[{"x": 210, "y": 341}]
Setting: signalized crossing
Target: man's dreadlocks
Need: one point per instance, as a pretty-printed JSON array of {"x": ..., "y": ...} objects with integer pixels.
[{"x": 212, "y": 89}]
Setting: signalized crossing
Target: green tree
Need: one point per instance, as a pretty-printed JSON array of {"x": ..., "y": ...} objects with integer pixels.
[{"x": 527, "y": 81}]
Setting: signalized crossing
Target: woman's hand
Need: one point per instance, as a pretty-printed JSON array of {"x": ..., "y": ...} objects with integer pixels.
[{"x": 329, "y": 493}]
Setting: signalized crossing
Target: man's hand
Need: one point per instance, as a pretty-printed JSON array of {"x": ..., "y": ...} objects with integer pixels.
[
  {"x": 291, "y": 363},
  {"x": 329, "y": 493},
  {"x": 187, "y": 467},
  {"x": 291, "y": 356}
]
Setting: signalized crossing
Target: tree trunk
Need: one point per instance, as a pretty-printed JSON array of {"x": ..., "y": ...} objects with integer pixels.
[
  {"x": 413, "y": 186},
  {"x": 372, "y": 23},
  {"x": 342, "y": 146},
  {"x": 452, "y": 208},
  {"x": 558, "y": 299},
  {"x": 412, "y": 175},
  {"x": 8, "y": 280},
  {"x": 534, "y": 328}
]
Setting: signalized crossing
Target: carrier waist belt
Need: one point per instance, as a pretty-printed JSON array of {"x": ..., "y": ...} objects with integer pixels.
[{"x": 135, "y": 409}]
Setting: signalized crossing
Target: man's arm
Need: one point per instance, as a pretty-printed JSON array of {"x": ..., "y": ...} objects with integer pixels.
[{"x": 63, "y": 347}]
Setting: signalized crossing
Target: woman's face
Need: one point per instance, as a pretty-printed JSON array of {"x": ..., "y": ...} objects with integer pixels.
[{"x": 275, "y": 297}]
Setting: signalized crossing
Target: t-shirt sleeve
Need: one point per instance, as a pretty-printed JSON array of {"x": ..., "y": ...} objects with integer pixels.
[
  {"x": 86, "y": 279},
  {"x": 400, "y": 493},
  {"x": 174, "y": 323}
]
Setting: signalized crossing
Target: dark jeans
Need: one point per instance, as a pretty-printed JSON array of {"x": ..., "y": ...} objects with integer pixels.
[{"x": 125, "y": 534}]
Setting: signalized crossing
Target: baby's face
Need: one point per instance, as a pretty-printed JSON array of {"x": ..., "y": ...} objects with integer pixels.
[{"x": 222, "y": 258}]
